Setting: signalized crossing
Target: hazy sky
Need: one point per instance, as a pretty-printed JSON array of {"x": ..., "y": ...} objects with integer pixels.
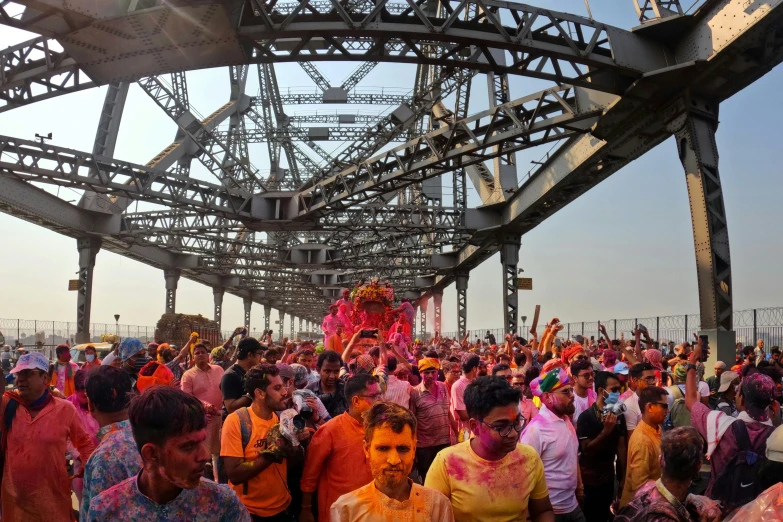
[{"x": 623, "y": 250}]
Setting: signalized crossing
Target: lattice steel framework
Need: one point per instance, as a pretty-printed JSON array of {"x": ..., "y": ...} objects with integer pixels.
[{"x": 318, "y": 220}]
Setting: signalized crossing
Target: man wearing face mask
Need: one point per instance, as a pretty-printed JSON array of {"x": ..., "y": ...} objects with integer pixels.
[
  {"x": 335, "y": 463},
  {"x": 602, "y": 436},
  {"x": 169, "y": 427},
  {"x": 92, "y": 359},
  {"x": 132, "y": 353},
  {"x": 553, "y": 437}
]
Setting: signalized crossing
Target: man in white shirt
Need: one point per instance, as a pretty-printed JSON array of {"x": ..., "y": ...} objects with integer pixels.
[{"x": 641, "y": 374}]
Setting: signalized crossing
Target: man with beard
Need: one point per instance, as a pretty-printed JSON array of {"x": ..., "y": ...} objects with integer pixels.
[
  {"x": 335, "y": 464},
  {"x": 491, "y": 476},
  {"x": 553, "y": 437},
  {"x": 389, "y": 445},
  {"x": 169, "y": 427},
  {"x": 256, "y": 467}
]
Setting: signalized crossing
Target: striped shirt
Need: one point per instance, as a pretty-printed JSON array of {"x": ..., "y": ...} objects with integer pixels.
[
  {"x": 431, "y": 410},
  {"x": 398, "y": 391}
]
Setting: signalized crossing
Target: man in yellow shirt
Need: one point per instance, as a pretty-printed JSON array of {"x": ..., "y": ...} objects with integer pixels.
[
  {"x": 492, "y": 476},
  {"x": 644, "y": 447},
  {"x": 257, "y": 471},
  {"x": 390, "y": 447}
]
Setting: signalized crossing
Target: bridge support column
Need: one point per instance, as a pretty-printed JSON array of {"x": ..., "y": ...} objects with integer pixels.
[
  {"x": 267, "y": 314},
  {"x": 462, "y": 304},
  {"x": 217, "y": 295},
  {"x": 509, "y": 258},
  {"x": 292, "y": 328},
  {"x": 172, "y": 279},
  {"x": 422, "y": 319},
  {"x": 88, "y": 248},
  {"x": 248, "y": 303},
  {"x": 698, "y": 152},
  {"x": 282, "y": 324},
  {"x": 437, "y": 300}
]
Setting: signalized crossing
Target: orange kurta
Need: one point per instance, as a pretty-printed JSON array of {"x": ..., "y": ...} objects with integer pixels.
[
  {"x": 35, "y": 481},
  {"x": 335, "y": 462}
]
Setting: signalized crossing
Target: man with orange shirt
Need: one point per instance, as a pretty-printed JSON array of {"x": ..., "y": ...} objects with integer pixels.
[
  {"x": 257, "y": 471},
  {"x": 335, "y": 463}
]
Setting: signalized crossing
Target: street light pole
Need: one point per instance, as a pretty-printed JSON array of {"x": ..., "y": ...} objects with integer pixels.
[{"x": 117, "y": 324}]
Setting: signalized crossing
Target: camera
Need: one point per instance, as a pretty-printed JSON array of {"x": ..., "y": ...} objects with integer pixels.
[
  {"x": 294, "y": 420},
  {"x": 618, "y": 408}
]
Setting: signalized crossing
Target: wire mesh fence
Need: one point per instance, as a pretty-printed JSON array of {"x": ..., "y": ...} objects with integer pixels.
[{"x": 749, "y": 325}]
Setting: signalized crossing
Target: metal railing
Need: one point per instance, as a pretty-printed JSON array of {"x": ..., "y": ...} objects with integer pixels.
[
  {"x": 749, "y": 325},
  {"x": 44, "y": 336}
]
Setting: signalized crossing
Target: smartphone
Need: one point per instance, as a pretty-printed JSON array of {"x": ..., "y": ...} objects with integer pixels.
[
  {"x": 705, "y": 347},
  {"x": 368, "y": 334}
]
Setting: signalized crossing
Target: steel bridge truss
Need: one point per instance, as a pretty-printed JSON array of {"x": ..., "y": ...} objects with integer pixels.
[{"x": 317, "y": 221}]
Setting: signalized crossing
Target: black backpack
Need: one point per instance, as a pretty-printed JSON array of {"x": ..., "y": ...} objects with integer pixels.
[{"x": 738, "y": 483}]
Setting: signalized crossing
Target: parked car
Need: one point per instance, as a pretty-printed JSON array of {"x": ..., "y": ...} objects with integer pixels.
[{"x": 101, "y": 351}]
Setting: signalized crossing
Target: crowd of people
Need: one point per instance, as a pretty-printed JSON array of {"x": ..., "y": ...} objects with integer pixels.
[{"x": 547, "y": 429}]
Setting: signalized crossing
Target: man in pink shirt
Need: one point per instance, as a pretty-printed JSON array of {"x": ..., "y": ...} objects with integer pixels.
[
  {"x": 553, "y": 437},
  {"x": 470, "y": 368},
  {"x": 35, "y": 482},
  {"x": 203, "y": 382}
]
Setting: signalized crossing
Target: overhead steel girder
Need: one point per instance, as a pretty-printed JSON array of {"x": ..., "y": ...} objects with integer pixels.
[
  {"x": 305, "y": 134},
  {"x": 32, "y": 71},
  {"x": 635, "y": 124},
  {"x": 351, "y": 98},
  {"x": 542, "y": 44},
  {"x": 45, "y": 163},
  {"x": 533, "y": 120},
  {"x": 211, "y": 151}
]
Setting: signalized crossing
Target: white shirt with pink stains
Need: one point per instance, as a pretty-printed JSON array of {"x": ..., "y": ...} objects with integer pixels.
[{"x": 554, "y": 439}]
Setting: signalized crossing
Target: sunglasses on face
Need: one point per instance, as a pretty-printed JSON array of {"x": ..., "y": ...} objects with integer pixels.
[
  {"x": 664, "y": 405},
  {"x": 587, "y": 376}
]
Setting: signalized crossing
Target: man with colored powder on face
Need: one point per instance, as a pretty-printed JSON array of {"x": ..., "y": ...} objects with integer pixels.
[
  {"x": 552, "y": 435},
  {"x": 63, "y": 371},
  {"x": 257, "y": 471},
  {"x": 491, "y": 476},
  {"x": 169, "y": 427},
  {"x": 116, "y": 458},
  {"x": 644, "y": 445},
  {"x": 335, "y": 463},
  {"x": 430, "y": 405},
  {"x": 389, "y": 445},
  {"x": 36, "y": 428}
]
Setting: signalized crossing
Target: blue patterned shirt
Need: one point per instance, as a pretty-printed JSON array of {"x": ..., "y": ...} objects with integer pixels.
[
  {"x": 115, "y": 459},
  {"x": 209, "y": 502}
]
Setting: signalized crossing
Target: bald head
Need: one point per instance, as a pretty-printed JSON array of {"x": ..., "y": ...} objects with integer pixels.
[{"x": 720, "y": 367}]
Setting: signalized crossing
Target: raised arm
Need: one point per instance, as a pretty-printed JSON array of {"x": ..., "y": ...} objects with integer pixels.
[
  {"x": 349, "y": 347},
  {"x": 691, "y": 384}
]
